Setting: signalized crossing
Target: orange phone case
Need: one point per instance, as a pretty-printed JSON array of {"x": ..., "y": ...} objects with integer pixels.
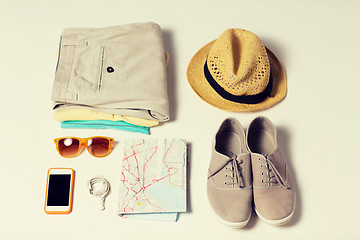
[{"x": 71, "y": 192}]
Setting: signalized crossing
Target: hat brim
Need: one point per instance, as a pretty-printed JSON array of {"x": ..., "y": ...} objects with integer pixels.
[{"x": 198, "y": 82}]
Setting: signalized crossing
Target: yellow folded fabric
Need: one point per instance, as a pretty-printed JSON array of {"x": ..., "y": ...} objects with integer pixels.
[{"x": 72, "y": 114}]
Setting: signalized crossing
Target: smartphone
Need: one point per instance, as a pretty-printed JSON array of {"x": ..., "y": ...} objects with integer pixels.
[{"x": 59, "y": 190}]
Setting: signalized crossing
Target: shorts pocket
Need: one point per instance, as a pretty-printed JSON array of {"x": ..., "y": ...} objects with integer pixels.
[{"x": 87, "y": 68}]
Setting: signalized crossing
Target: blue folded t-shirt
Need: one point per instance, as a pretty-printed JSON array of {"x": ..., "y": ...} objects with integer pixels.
[{"x": 105, "y": 124}]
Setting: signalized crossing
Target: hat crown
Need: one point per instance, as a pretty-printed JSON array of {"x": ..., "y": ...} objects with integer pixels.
[{"x": 239, "y": 63}]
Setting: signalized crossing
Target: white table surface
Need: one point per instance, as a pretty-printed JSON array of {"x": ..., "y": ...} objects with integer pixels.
[{"x": 318, "y": 44}]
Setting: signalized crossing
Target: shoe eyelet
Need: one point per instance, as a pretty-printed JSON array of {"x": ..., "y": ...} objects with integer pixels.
[
  {"x": 261, "y": 166},
  {"x": 241, "y": 161},
  {"x": 262, "y": 180},
  {"x": 225, "y": 183},
  {"x": 262, "y": 173},
  {"x": 259, "y": 159},
  {"x": 226, "y": 175}
]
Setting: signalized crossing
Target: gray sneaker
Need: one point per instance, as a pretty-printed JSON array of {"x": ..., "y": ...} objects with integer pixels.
[
  {"x": 274, "y": 196},
  {"x": 229, "y": 184}
]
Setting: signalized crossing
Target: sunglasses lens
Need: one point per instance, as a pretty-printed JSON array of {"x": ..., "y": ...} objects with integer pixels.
[
  {"x": 68, "y": 147},
  {"x": 98, "y": 147}
]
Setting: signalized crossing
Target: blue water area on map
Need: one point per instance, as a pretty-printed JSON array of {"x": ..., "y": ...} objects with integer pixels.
[{"x": 172, "y": 197}]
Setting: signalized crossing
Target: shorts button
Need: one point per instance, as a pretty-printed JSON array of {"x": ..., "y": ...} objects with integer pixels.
[{"x": 110, "y": 69}]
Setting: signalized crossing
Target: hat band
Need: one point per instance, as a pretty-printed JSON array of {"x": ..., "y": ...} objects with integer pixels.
[{"x": 248, "y": 99}]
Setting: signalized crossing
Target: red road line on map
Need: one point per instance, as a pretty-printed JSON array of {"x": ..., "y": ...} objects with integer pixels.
[
  {"x": 137, "y": 164},
  {"x": 143, "y": 188},
  {"x": 136, "y": 177},
  {"x": 155, "y": 181},
  {"x": 142, "y": 143},
  {"x": 167, "y": 151},
  {"x": 144, "y": 168},
  {"x": 134, "y": 152}
]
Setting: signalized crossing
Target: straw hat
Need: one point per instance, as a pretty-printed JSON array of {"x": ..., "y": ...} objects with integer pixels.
[{"x": 236, "y": 72}]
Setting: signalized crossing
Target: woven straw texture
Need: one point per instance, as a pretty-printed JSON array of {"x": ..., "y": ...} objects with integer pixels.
[{"x": 241, "y": 65}]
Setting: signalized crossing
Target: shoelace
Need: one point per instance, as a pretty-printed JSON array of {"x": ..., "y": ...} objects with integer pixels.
[
  {"x": 276, "y": 174},
  {"x": 234, "y": 168}
]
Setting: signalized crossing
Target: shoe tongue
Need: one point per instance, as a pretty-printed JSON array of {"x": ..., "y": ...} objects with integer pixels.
[
  {"x": 264, "y": 154},
  {"x": 231, "y": 155}
]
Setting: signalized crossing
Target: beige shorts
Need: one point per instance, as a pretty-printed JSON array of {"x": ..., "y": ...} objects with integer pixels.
[{"x": 119, "y": 70}]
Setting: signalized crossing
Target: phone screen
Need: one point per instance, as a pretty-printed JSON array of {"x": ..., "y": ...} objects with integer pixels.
[{"x": 59, "y": 190}]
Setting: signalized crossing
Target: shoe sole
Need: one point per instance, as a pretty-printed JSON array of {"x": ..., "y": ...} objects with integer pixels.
[
  {"x": 233, "y": 224},
  {"x": 277, "y": 222}
]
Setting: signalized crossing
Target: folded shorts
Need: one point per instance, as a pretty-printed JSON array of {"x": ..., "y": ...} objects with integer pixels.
[{"x": 118, "y": 70}]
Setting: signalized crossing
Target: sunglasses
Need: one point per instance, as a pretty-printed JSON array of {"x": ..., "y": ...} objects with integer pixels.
[{"x": 70, "y": 147}]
